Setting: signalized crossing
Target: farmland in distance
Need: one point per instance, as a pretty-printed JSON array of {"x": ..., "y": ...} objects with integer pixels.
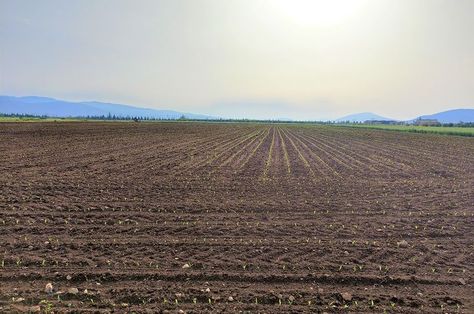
[{"x": 229, "y": 217}]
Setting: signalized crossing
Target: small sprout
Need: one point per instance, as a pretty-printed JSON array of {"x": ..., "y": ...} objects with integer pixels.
[
  {"x": 47, "y": 306},
  {"x": 291, "y": 299}
]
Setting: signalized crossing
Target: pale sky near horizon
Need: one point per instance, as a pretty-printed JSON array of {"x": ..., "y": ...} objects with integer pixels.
[{"x": 299, "y": 59}]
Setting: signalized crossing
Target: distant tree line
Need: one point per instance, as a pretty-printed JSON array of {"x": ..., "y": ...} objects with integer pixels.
[
  {"x": 23, "y": 115},
  {"x": 128, "y": 118},
  {"x": 113, "y": 117},
  {"x": 458, "y": 125},
  {"x": 88, "y": 117}
]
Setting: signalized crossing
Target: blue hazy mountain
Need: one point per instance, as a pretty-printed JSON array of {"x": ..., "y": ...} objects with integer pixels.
[
  {"x": 452, "y": 116},
  {"x": 361, "y": 117},
  {"x": 44, "y": 106}
]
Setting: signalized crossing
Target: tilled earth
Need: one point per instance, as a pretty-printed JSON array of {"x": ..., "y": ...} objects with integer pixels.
[{"x": 218, "y": 217}]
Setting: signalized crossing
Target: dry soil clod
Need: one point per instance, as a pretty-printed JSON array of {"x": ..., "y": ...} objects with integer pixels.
[
  {"x": 402, "y": 244},
  {"x": 49, "y": 288}
]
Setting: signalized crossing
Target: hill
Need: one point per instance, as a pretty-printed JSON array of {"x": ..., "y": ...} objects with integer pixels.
[
  {"x": 361, "y": 117},
  {"x": 452, "y": 116},
  {"x": 34, "y": 105}
]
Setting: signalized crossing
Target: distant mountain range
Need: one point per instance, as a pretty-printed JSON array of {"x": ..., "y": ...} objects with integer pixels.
[
  {"x": 43, "y": 106},
  {"x": 449, "y": 116}
]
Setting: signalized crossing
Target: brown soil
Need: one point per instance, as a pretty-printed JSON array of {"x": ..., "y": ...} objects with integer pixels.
[{"x": 282, "y": 218}]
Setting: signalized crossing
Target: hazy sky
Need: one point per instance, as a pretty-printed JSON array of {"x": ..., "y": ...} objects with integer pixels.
[{"x": 303, "y": 59}]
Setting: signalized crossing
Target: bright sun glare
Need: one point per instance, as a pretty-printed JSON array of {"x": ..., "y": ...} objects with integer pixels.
[{"x": 319, "y": 13}]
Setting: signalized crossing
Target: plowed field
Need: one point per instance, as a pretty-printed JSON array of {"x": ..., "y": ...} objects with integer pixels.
[{"x": 202, "y": 217}]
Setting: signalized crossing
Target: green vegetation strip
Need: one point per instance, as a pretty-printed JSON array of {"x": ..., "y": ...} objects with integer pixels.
[{"x": 445, "y": 130}]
